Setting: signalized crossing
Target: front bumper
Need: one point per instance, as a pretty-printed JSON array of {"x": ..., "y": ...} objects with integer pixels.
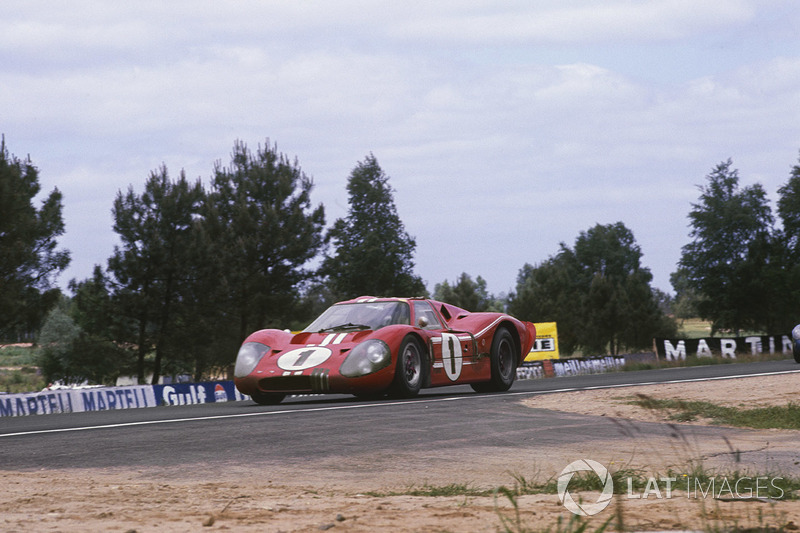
[{"x": 316, "y": 381}]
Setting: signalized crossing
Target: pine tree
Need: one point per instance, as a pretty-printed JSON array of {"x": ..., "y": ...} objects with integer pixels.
[
  {"x": 373, "y": 254},
  {"x": 262, "y": 230},
  {"x": 29, "y": 258},
  {"x": 151, "y": 267}
]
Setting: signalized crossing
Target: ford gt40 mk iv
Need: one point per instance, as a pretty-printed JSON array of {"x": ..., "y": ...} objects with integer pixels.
[{"x": 375, "y": 346}]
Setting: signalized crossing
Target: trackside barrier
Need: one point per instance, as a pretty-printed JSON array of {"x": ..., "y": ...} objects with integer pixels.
[
  {"x": 138, "y": 396},
  {"x": 112, "y": 398},
  {"x": 570, "y": 367},
  {"x": 725, "y": 347}
]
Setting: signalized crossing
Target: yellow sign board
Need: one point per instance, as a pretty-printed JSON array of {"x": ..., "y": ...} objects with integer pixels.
[{"x": 546, "y": 345}]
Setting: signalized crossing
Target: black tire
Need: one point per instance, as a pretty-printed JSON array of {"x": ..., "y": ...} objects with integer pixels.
[
  {"x": 267, "y": 398},
  {"x": 408, "y": 374},
  {"x": 503, "y": 363},
  {"x": 796, "y": 351}
]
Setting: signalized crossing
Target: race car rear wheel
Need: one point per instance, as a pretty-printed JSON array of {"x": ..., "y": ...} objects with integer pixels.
[
  {"x": 408, "y": 373},
  {"x": 267, "y": 398},
  {"x": 503, "y": 362}
]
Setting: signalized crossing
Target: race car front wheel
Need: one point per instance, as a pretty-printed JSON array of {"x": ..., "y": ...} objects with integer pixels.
[{"x": 408, "y": 372}]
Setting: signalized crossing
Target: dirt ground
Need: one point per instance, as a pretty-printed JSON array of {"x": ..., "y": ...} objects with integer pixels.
[{"x": 144, "y": 501}]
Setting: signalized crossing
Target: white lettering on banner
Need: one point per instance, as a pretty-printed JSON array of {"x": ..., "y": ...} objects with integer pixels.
[
  {"x": 116, "y": 398},
  {"x": 724, "y": 347},
  {"x": 755, "y": 345},
  {"x": 544, "y": 345},
  {"x": 76, "y": 400},
  {"x": 728, "y": 348},
  {"x": 702, "y": 349},
  {"x": 574, "y": 367},
  {"x": 196, "y": 394},
  {"x": 39, "y": 403},
  {"x": 530, "y": 372},
  {"x": 672, "y": 352}
]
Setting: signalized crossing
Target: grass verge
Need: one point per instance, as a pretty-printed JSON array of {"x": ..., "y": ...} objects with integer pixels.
[
  {"x": 772, "y": 417},
  {"x": 625, "y": 479}
]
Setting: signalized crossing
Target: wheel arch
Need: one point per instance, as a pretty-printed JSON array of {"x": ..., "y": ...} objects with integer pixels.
[
  {"x": 427, "y": 360},
  {"x": 509, "y": 326}
]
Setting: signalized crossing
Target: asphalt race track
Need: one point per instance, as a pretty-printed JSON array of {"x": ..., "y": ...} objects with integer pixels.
[{"x": 220, "y": 434}]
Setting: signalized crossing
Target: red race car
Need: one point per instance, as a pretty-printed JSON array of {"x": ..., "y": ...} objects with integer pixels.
[{"x": 372, "y": 346}]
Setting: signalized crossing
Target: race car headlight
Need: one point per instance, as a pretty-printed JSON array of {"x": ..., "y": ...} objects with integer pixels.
[
  {"x": 248, "y": 357},
  {"x": 366, "y": 358},
  {"x": 796, "y": 333}
]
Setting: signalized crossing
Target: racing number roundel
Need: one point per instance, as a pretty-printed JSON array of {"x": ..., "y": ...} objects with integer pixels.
[
  {"x": 302, "y": 358},
  {"x": 451, "y": 356}
]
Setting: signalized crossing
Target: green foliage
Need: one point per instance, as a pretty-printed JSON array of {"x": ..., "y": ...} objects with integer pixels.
[
  {"x": 71, "y": 355},
  {"x": 92, "y": 307},
  {"x": 260, "y": 230},
  {"x": 29, "y": 259},
  {"x": 728, "y": 262},
  {"x": 56, "y": 338},
  {"x": 741, "y": 271},
  {"x": 372, "y": 251},
  {"x": 789, "y": 212},
  {"x": 598, "y": 292},
  {"x": 546, "y": 293},
  {"x": 785, "y": 269},
  {"x": 684, "y": 304},
  {"x": 151, "y": 268},
  {"x": 466, "y": 293},
  {"x": 198, "y": 271}
]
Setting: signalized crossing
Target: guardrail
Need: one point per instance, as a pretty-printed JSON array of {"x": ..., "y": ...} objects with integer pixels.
[
  {"x": 549, "y": 368},
  {"x": 112, "y": 398}
]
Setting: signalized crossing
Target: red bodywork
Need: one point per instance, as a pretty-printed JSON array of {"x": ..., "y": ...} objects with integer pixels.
[{"x": 457, "y": 351}]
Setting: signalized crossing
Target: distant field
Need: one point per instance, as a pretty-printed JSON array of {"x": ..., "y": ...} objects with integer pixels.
[
  {"x": 18, "y": 355},
  {"x": 694, "y": 328},
  {"x": 18, "y": 369}
]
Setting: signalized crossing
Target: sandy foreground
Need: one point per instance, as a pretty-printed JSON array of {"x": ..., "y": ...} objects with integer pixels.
[{"x": 145, "y": 500}]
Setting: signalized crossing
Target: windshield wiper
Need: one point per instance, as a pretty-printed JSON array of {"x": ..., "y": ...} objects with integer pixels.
[{"x": 348, "y": 326}]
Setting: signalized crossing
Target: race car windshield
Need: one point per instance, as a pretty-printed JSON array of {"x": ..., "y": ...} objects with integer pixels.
[{"x": 361, "y": 315}]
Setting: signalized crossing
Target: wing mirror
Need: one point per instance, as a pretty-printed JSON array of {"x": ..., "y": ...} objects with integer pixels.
[{"x": 422, "y": 322}]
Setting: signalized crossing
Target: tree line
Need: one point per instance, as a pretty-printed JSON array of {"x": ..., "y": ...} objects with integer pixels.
[{"x": 199, "y": 267}]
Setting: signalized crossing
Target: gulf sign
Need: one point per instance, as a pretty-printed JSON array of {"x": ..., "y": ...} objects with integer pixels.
[{"x": 546, "y": 344}]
